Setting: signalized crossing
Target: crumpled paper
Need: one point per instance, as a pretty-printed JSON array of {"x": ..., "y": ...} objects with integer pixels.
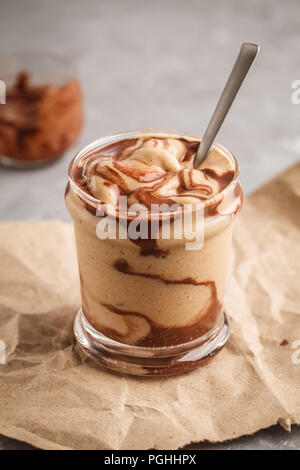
[{"x": 53, "y": 399}]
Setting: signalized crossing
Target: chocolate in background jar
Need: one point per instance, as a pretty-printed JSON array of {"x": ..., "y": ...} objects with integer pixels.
[{"x": 41, "y": 119}]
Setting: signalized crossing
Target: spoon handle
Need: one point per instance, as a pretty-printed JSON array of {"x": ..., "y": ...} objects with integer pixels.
[{"x": 238, "y": 74}]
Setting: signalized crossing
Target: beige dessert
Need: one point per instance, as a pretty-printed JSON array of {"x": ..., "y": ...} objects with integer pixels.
[{"x": 153, "y": 292}]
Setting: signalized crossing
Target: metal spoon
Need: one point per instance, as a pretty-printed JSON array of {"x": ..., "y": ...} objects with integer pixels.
[{"x": 238, "y": 74}]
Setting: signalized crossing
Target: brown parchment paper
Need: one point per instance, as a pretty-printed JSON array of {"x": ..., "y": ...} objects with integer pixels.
[{"x": 53, "y": 400}]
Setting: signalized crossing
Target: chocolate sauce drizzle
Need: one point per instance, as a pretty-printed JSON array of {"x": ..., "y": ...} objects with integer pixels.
[
  {"x": 149, "y": 246},
  {"x": 160, "y": 336},
  {"x": 223, "y": 179},
  {"x": 147, "y": 196},
  {"x": 122, "y": 266}
]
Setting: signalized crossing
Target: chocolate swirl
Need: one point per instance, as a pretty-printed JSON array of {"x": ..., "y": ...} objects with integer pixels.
[
  {"x": 152, "y": 170},
  {"x": 159, "y": 335}
]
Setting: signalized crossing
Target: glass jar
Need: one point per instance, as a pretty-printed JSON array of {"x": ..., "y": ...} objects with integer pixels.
[
  {"x": 152, "y": 306},
  {"x": 43, "y": 113}
]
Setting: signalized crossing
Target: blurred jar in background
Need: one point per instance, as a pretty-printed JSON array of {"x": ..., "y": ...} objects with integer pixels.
[{"x": 43, "y": 113}]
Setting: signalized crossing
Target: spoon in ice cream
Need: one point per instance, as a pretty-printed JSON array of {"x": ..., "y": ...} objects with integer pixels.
[{"x": 238, "y": 74}]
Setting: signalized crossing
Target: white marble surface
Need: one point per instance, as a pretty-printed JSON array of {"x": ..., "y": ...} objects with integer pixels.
[{"x": 162, "y": 64}]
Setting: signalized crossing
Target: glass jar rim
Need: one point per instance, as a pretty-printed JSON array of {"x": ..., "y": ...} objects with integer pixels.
[
  {"x": 40, "y": 55},
  {"x": 104, "y": 141}
]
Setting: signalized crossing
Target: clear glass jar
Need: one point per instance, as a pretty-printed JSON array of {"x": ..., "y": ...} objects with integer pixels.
[
  {"x": 152, "y": 307},
  {"x": 43, "y": 113}
]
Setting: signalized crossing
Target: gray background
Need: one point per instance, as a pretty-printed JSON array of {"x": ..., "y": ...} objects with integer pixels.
[{"x": 162, "y": 64}]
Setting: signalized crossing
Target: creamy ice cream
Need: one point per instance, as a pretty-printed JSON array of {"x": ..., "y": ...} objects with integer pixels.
[
  {"x": 153, "y": 292},
  {"x": 152, "y": 170}
]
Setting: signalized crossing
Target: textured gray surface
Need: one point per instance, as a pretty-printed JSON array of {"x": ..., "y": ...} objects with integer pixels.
[
  {"x": 162, "y": 64},
  {"x": 268, "y": 439}
]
